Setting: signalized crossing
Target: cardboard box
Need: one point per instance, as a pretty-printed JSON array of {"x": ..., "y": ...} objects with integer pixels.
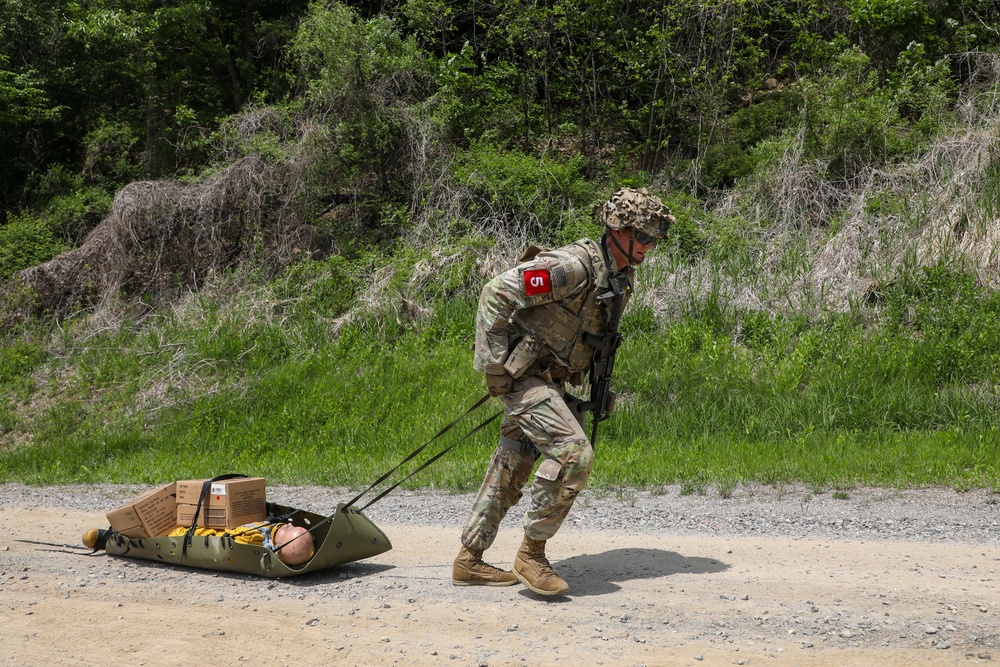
[
  {"x": 229, "y": 504},
  {"x": 150, "y": 514}
]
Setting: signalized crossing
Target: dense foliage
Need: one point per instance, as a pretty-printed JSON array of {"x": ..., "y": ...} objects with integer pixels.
[{"x": 96, "y": 94}]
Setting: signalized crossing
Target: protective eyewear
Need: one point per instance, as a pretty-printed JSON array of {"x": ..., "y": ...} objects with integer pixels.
[{"x": 643, "y": 238}]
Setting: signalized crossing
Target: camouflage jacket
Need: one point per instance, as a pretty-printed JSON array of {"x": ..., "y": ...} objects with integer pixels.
[{"x": 532, "y": 317}]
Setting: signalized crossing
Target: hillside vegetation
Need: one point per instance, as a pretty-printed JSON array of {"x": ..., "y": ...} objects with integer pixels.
[{"x": 250, "y": 236}]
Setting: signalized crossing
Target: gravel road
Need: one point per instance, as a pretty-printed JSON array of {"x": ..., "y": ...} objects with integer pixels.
[{"x": 768, "y": 576}]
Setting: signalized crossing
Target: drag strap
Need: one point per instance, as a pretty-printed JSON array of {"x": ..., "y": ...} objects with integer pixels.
[
  {"x": 416, "y": 451},
  {"x": 434, "y": 458},
  {"x": 430, "y": 461}
]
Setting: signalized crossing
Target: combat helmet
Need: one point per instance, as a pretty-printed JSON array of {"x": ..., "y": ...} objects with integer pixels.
[{"x": 629, "y": 207}]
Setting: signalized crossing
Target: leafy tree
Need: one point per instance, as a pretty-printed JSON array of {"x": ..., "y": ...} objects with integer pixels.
[{"x": 113, "y": 88}]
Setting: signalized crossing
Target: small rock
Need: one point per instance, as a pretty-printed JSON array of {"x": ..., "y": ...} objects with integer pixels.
[
  {"x": 846, "y": 634},
  {"x": 699, "y": 657}
]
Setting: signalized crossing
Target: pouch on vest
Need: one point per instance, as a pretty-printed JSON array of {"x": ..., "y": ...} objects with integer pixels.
[
  {"x": 551, "y": 322},
  {"x": 523, "y": 355}
]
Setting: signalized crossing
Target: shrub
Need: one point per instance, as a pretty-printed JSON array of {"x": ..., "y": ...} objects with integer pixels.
[
  {"x": 851, "y": 121},
  {"x": 511, "y": 189},
  {"x": 113, "y": 154},
  {"x": 26, "y": 241}
]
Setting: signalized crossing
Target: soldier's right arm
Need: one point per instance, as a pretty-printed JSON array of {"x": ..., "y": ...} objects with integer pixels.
[
  {"x": 496, "y": 305},
  {"x": 550, "y": 277}
]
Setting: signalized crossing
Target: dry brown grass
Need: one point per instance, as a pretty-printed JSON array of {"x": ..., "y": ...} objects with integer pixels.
[
  {"x": 816, "y": 245},
  {"x": 157, "y": 237},
  {"x": 163, "y": 237}
]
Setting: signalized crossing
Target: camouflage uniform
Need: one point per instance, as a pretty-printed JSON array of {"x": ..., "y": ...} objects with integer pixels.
[
  {"x": 530, "y": 324},
  {"x": 531, "y": 339}
]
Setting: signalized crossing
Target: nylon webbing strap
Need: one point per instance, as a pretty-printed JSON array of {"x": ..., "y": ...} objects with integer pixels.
[
  {"x": 432, "y": 460},
  {"x": 518, "y": 446},
  {"x": 387, "y": 491},
  {"x": 417, "y": 451},
  {"x": 205, "y": 488},
  {"x": 409, "y": 457}
]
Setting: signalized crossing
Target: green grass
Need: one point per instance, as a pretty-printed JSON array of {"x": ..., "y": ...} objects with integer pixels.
[{"x": 712, "y": 400}]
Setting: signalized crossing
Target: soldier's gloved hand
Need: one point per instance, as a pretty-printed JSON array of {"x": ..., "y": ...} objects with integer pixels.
[{"x": 498, "y": 385}]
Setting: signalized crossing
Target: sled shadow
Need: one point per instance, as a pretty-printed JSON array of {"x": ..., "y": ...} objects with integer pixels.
[
  {"x": 337, "y": 574},
  {"x": 330, "y": 575},
  {"x": 596, "y": 574}
]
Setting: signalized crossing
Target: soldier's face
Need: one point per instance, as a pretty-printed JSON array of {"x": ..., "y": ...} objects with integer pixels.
[
  {"x": 642, "y": 243},
  {"x": 631, "y": 251}
]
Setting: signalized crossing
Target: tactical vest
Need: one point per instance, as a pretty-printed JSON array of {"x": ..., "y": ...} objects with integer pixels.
[{"x": 560, "y": 325}]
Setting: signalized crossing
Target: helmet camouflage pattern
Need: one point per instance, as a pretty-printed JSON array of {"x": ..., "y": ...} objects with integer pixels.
[{"x": 629, "y": 207}]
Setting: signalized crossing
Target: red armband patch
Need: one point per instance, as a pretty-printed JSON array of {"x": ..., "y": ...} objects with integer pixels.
[{"x": 537, "y": 281}]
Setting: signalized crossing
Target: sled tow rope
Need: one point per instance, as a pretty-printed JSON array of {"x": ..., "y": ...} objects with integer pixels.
[
  {"x": 409, "y": 457},
  {"x": 421, "y": 448}
]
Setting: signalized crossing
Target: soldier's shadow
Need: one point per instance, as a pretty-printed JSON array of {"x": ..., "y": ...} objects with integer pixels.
[{"x": 596, "y": 574}]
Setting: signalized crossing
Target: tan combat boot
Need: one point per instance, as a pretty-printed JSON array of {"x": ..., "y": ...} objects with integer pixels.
[
  {"x": 470, "y": 570},
  {"x": 534, "y": 571}
]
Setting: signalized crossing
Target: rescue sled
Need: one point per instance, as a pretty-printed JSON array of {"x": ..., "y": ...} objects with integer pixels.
[{"x": 346, "y": 537}]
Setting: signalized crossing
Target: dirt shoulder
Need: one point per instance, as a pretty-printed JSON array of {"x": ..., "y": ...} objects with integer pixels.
[{"x": 641, "y": 593}]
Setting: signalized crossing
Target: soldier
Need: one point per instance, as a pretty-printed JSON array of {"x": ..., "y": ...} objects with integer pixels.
[{"x": 530, "y": 330}]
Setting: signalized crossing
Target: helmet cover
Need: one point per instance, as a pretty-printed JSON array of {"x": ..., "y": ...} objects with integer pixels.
[{"x": 639, "y": 209}]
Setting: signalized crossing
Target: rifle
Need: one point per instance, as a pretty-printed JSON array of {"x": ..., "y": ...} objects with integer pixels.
[{"x": 603, "y": 363}]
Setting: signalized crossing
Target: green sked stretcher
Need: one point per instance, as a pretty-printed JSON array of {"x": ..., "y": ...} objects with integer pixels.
[
  {"x": 343, "y": 537},
  {"x": 349, "y": 536}
]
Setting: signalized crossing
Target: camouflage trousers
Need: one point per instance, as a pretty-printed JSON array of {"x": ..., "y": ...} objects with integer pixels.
[{"x": 535, "y": 412}]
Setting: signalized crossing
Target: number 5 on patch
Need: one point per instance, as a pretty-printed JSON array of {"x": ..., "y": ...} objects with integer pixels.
[{"x": 537, "y": 281}]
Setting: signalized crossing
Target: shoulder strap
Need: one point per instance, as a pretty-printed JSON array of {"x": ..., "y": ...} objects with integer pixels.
[
  {"x": 592, "y": 256},
  {"x": 532, "y": 251}
]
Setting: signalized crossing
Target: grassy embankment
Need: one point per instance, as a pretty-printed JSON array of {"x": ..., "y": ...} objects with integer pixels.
[{"x": 716, "y": 397}]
